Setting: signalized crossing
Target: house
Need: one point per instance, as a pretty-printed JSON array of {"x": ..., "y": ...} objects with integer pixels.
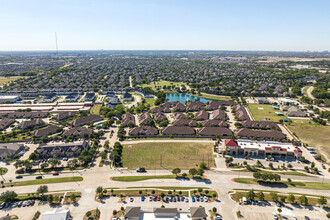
[
  {"x": 63, "y": 115},
  {"x": 179, "y": 115},
  {"x": 241, "y": 113},
  {"x": 127, "y": 97},
  {"x": 179, "y": 107},
  {"x": 90, "y": 96},
  {"x": 49, "y": 98},
  {"x": 86, "y": 120},
  {"x": 56, "y": 214},
  {"x": 267, "y": 125},
  {"x": 132, "y": 213},
  {"x": 215, "y": 131},
  {"x": 31, "y": 124},
  {"x": 293, "y": 111},
  {"x": 261, "y": 134},
  {"x": 195, "y": 106},
  {"x": 17, "y": 114},
  {"x": 261, "y": 148},
  {"x": 159, "y": 117},
  {"x": 198, "y": 213},
  {"x": 4, "y": 123},
  {"x": 78, "y": 131},
  {"x": 219, "y": 114},
  {"x": 262, "y": 101},
  {"x": 112, "y": 102},
  {"x": 202, "y": 115},
  {"x": 61, "y": 149},
  {"x": 185, "y": 122},
  {"x": 178, "y": 131},
  {"x": 73, "y": 97},
  {"x": 127, "y": 119},
  {"x": 144, "y": 118},
  {"x": 160, "y": 109},
  {"x": 214, "y": 123},
  {"x": 9, "y": 150},
  {"x": 143, "y": 131},
  {"x": 50, "y": 129},
  {"x": 213, "y": 105},
  {"x": 144, "y": 94}
]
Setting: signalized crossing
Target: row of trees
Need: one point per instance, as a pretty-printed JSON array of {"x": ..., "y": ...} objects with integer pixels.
[
  {"x": 266, "y": 176},
  {"x": 116, "y": 154}
]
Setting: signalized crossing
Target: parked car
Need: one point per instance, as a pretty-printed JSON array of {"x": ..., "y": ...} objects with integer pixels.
[
  {"x": 150, "y": 199},
  {"x": 2, "y": 205},
  {"x": 141, "y": 170},
  {"x": 131, "y": 199},
  {"x": 20, "y": 204},
  {"x": 275, "y": 216},
  {"x": 193, "y": 199},
  {"x": 187, "y": 200},
  {"x": 218, "y": 217},
  {"x": 142, "y": 198},
  {"x": 38, "y": 177}
]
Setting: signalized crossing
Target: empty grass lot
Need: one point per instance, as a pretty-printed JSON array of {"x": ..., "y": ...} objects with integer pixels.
[
  {"x": 314, "y": 135},
  {"x": 95, "y": 110},
  {"x": 213, "y": 97},
  {"x": 167, "y": 155},
  {"x": 260, "y": 112},
  {"x": 4, "y": 80},
  {"x": 160, "y": 84}
]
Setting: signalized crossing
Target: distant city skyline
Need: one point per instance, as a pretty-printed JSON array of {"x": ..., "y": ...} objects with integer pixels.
[{"x": 165, "y": 25}]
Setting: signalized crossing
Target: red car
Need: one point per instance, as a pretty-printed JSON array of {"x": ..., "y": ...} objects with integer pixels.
[{"x": 55, "y": 174}]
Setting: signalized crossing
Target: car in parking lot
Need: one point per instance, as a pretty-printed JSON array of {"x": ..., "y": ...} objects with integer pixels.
[
  {"x": 142, "y": 198},
  {"x": 20, "y": 204},
  {"x": 150, "y": 199},
  {"x": 2, "y": 205},
  {"x": 55, "y": 173},
  {"x": 218, "y": 217},
  {"x": 275, "y": 216},
  {"x": 131, "y": 199},
  {"x": 193, "y": 199},
  {"x": 187, "y": 200}
]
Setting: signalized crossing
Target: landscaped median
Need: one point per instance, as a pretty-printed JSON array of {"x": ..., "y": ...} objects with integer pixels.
[
  {"x": 307, "y": 185},
  {"x": 264, "y": 195},
  {"x": 45, "y": 181},
  {"x": 141, "y": 178}
]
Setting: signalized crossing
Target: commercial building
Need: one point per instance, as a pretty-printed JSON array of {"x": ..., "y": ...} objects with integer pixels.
[
  {"x": 49, "y": 98},
  {"x": 261, "y": 148},
  {"x": 9, "y": 98},
  {"x": 61, "y": 149},
  {"x": 56, "y": 214},
  {"x": 9, "y": 150},
  {"x": 90, "y": 96}
]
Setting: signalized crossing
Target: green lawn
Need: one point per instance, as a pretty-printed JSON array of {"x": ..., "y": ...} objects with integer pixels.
[
  {"x": 160, "y": 84},
  {"x": 307, "y": 185},
  {"x": 260, "y": 112},
  {"x": 213, "y": 97},
  {"x": 167, "y": 155},
  {"x": 150, "y": 101},
  {"x": 314, "y": 135},
  {"x": 3, "y": 170},
  {"x": 47, "y": 181},
  {"x": 95, "y": 110}
]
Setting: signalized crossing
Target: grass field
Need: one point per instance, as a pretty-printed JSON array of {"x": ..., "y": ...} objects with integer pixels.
[
  {"x": 160, "y": 84},
  {"x": 95, "y": 110},
  {"x": 213, "y": 97},
  {"x": 3, "y": 170},
  {"x": 150, "y": 101},
  {"x": 314, "y": 135},
  {"x": 4, "y": 80},
  {"x": 260, "y": 112},
  {"x": 167, "y": 155},
  {"x": 141, "y": 178},
  {"x": 307, "y": 185},
  {"x": 47, "y": 181}
]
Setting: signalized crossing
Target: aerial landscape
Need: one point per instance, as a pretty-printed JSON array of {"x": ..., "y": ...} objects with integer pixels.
[{"x": 164, "y": 110}]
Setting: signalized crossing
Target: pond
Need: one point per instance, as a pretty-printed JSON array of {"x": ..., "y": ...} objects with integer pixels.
[{"x": 183, "y": 97}]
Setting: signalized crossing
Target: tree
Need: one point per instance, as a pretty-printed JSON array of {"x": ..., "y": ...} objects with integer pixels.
[
  {"x": 312, "y": 165},
  {"x": 214, "y": 209},
  {"x": 99, "y": 191},
  {"x": 261, "y": 196},
  {"x": 44, "y": 165},
  {"x": 273, "y": 196},
  {"x": 200, "y": 172},
  {"x": 279, "y": 210},
  {"x": 193, "y": 172},
  {"x": 271, "y": 166},
  {"x": 203, "y": 165},
  {"x": 291, "y": 198},
  {"x": 328, "y": 215},
  {"x": 42, "y": 190},
  {"x": 176, "y": 171},
  {"x": 250, "y": 195},
  {"x": 162, "y": 195},
  {"x": 290, "y": 166},
  {"x": 8, "y": 196},
  {"x": 50, "y": 198},
  {"x": 33, "y": 156},
  {"x": 303, "y": 200},
  {"x": 322, "y": 200},
  {"x": 73, "y": 197},
  {"x": 184, "y": 175}
]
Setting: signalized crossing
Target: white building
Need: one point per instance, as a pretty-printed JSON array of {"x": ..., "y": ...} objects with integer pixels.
[
  {"x": 9, "y": 98},
  {"x": 56, "y": 214}
]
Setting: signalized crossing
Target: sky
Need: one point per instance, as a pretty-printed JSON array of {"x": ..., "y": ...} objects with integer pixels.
[{"x": 268, "y": 25}]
